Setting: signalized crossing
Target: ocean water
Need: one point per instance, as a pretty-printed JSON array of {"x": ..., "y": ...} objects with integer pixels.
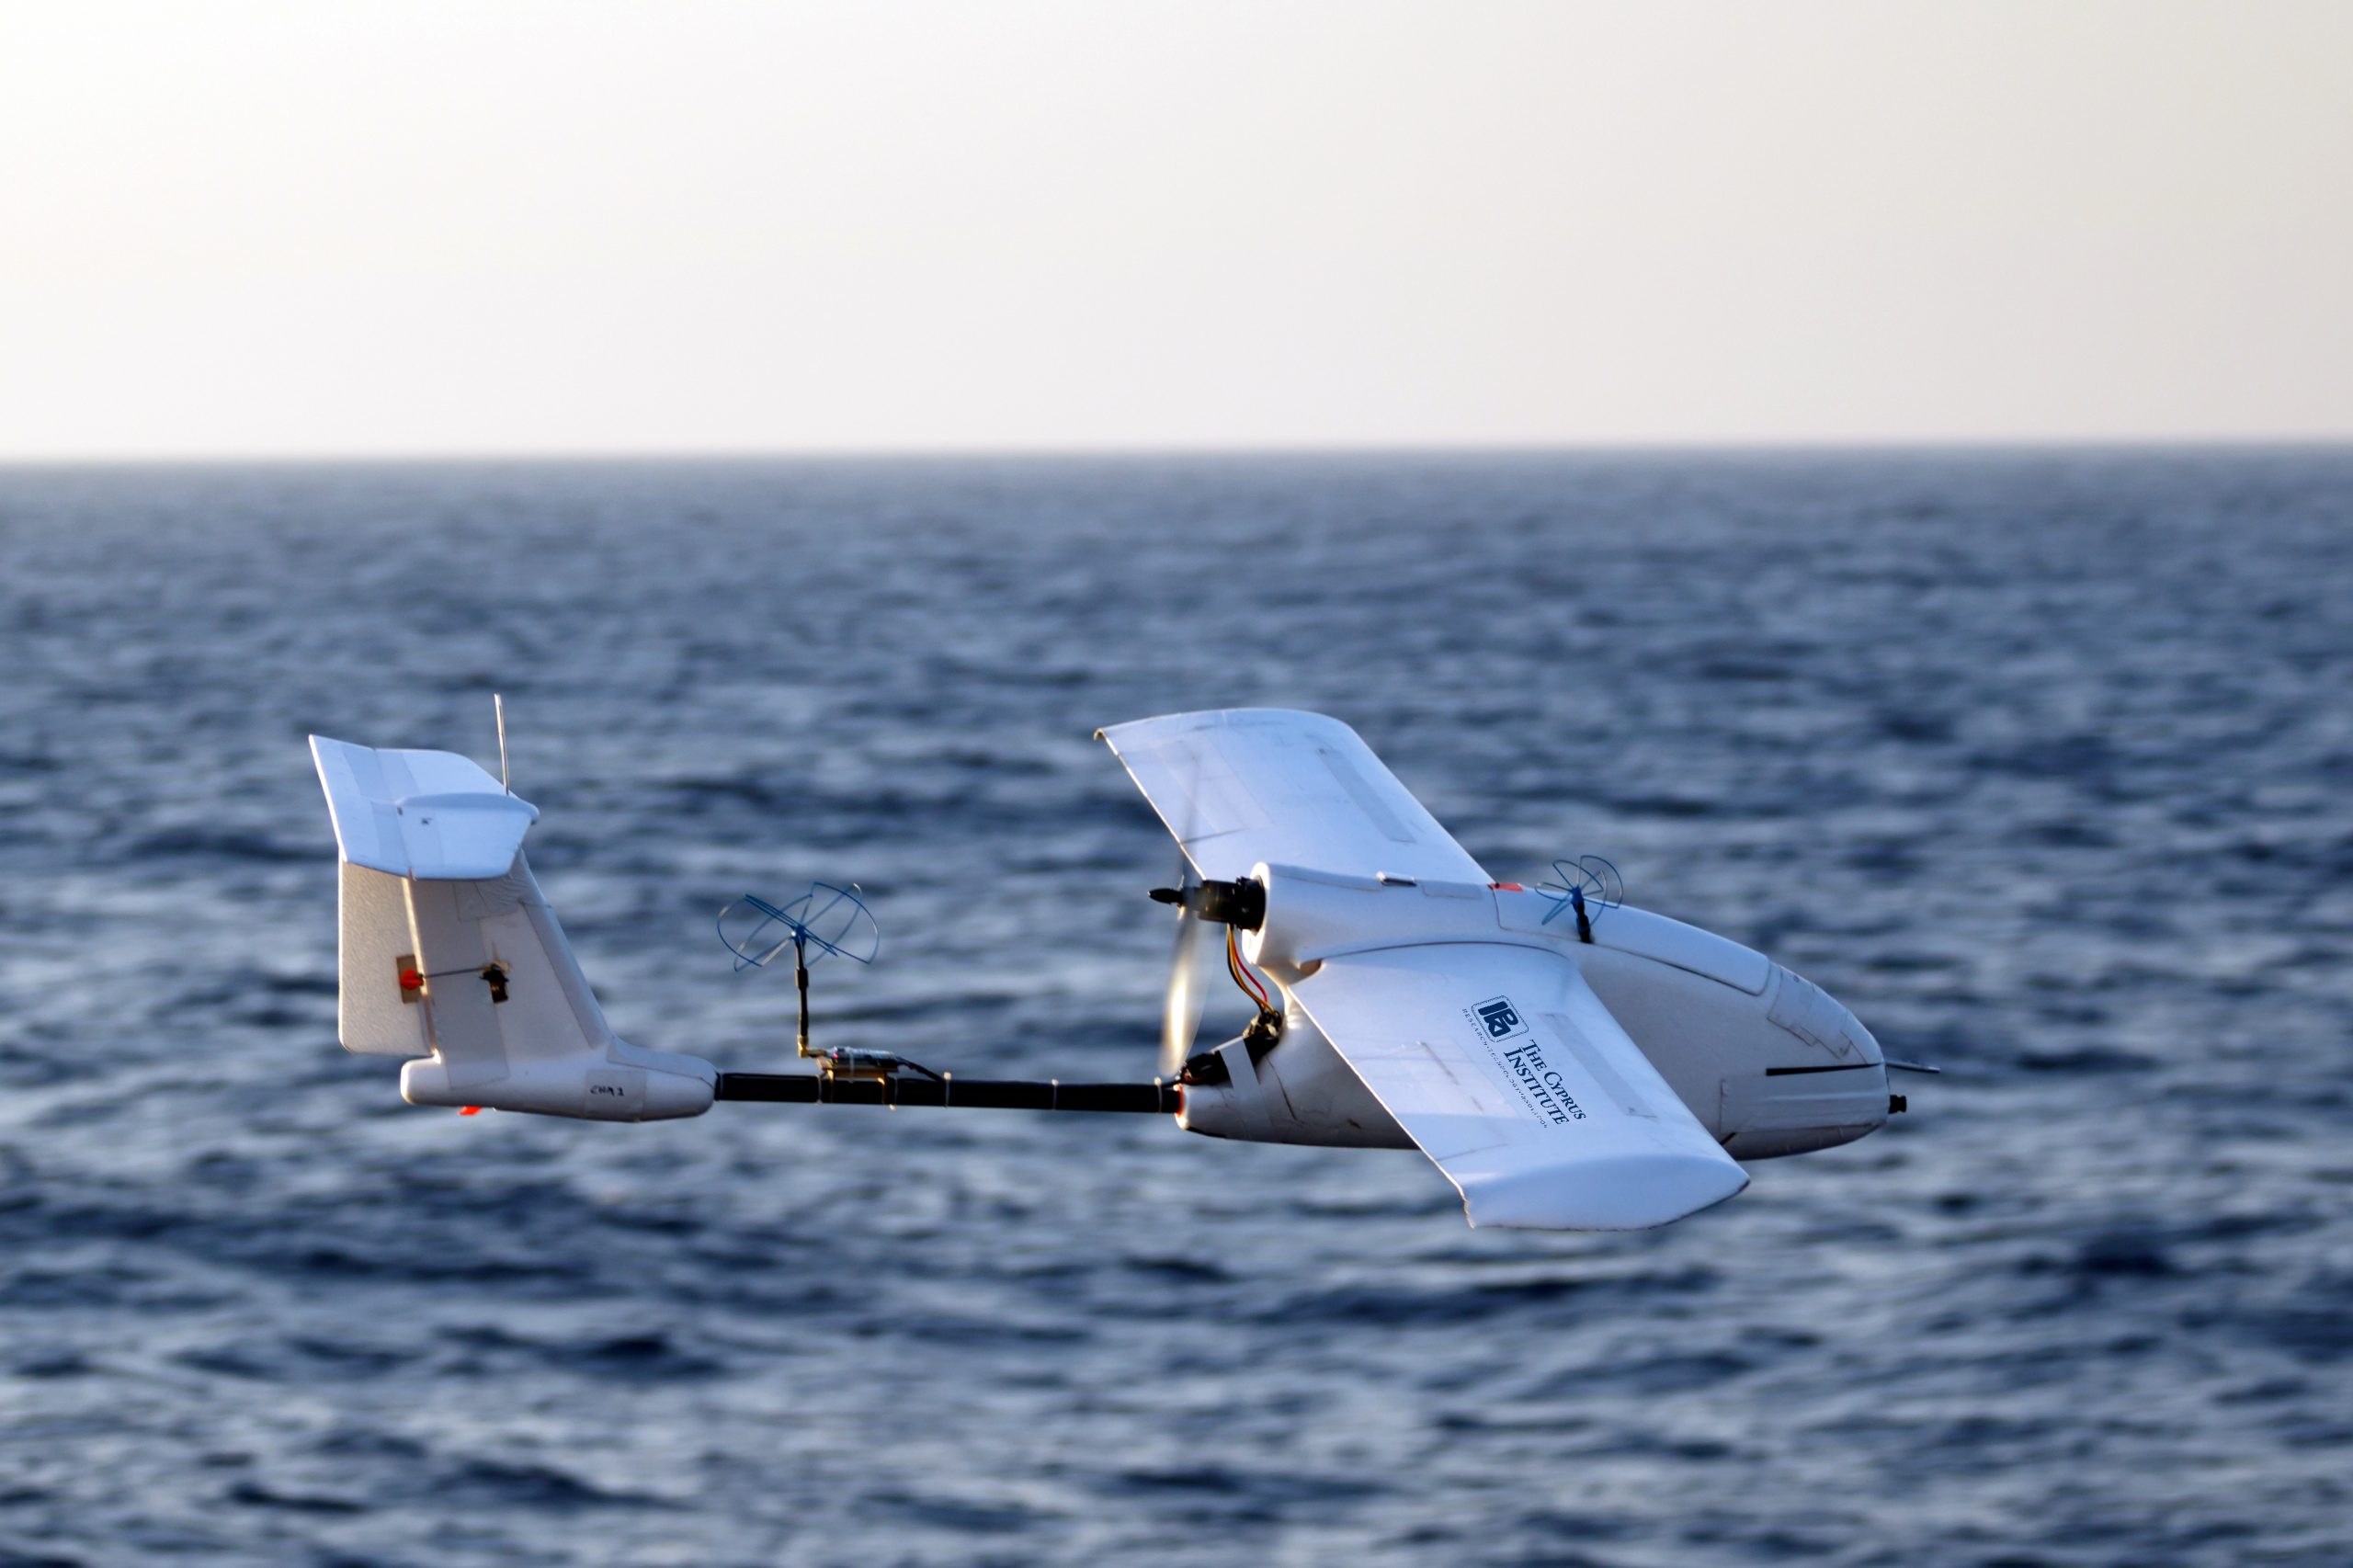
[{"x": 2042, "y": 762}]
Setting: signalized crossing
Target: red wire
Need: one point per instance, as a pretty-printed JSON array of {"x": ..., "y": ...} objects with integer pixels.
[{"x": 1241, "y": 975}]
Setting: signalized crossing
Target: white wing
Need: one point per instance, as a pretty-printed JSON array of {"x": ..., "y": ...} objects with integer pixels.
[
  {"x": 1507, "y": 1069},
  {"x": 1253, "y": 784}
]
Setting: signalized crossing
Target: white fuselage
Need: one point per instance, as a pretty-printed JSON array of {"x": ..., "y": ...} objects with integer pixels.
[{"x": 1767, "y": 1060}]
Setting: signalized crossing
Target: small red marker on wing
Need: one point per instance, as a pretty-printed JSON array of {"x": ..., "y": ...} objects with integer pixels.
[{"x": 470, "y": 1110}]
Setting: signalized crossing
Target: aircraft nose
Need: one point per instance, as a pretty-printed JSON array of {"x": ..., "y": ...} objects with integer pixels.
[
  {"x": 1861, "y": 1037},
  {"x": 1812, "y": 1014}
]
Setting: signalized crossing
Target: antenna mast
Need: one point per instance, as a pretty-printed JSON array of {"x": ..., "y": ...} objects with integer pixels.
[{"x": 499, "y": 708}]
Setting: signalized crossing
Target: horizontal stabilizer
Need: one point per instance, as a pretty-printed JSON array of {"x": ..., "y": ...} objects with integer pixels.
[{"x": 430, "y": 814}]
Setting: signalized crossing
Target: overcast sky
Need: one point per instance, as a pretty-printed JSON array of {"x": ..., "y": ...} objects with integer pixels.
[{"x": 341, "y": 228}]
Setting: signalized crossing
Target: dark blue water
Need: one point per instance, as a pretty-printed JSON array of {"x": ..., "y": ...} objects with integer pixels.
[{"x": 2042, "y": 762}]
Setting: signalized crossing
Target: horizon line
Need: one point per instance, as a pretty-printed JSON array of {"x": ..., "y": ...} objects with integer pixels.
[{"x": 1954, "y": 445}]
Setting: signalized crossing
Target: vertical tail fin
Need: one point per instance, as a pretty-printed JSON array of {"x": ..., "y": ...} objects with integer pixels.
[{"x": 450, "y": 955}]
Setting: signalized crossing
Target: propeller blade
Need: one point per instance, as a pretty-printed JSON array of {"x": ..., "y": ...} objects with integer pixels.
[
  {"x": 1180, "y": 1011},
  {"x": 1180, "y": 1017}
]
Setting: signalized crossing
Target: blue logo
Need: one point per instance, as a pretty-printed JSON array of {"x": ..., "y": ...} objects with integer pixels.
[{"x": 1501, "y": 1017}]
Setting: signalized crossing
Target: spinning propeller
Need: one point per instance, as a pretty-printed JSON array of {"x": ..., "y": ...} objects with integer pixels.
[
  {"x": 1180, "y": 1006},
  {"x": 1236, "y": 905},
  {"x": 1180, "y": 1009}
]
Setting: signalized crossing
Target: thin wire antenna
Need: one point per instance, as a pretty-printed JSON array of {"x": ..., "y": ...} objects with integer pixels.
[
  {"x": 1589, "y": 885},
  {"x": 822, "y": 921},
  {"x": 498, "y": 707}
]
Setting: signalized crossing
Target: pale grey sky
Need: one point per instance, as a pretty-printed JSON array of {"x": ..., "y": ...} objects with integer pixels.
[{"x": 335, "y": 227}]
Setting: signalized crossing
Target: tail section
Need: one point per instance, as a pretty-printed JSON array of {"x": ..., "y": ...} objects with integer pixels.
[{"x": 450, "y": 956}]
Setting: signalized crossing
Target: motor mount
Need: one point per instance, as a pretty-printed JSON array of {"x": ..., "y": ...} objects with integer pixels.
[{"x": 1241, "y": 904}]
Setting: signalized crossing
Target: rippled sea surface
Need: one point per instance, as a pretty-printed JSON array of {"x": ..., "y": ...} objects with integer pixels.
[{"x": 2041, "y": 761}]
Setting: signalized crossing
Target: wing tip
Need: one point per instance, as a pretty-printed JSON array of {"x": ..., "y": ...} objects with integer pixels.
[
  {"x": 1633, "y": 1192},
  {"x": 1222, "y": 717}
]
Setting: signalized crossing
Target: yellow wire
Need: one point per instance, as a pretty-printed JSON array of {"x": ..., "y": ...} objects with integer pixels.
[{"x": 1240, "y": 973}]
